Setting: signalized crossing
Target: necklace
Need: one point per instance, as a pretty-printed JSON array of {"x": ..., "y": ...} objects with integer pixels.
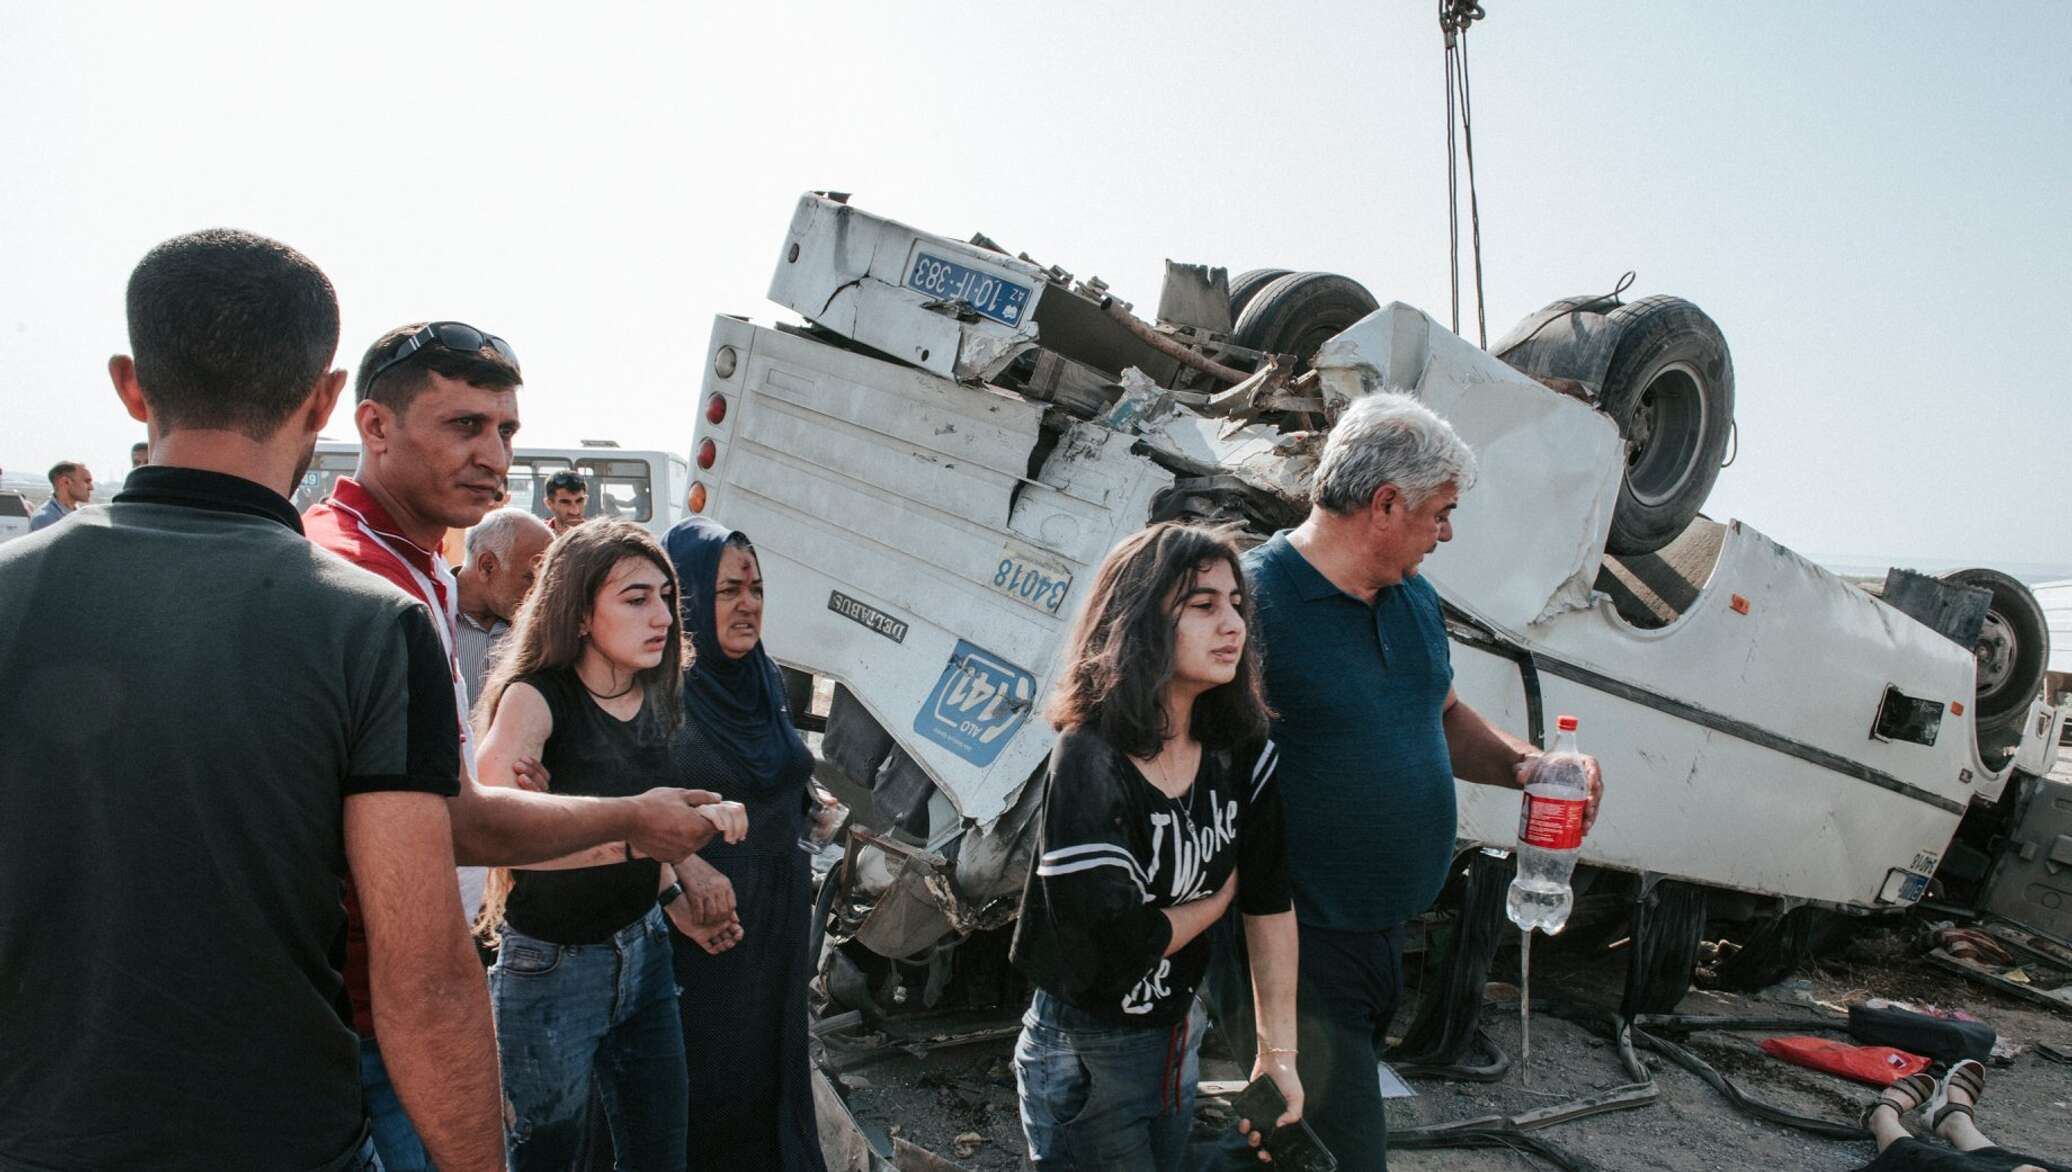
[
  {"x": 1165, "y": 783},
  {"x": 627, "y": 690},
  {"x": 1165, "y": 779}
]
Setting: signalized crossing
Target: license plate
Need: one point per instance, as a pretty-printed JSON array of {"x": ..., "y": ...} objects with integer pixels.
[
  {"x": 986, "y": 294},
  {"x": 1031, "y": 579}
]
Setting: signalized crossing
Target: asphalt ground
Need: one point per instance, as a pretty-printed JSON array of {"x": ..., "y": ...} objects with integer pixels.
[{"x": 958, "y": 1102}]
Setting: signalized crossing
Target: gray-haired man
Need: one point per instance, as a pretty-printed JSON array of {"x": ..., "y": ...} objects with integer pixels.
[
  {"x": 1371, "y": 735},
  {"x": 503, "y": 550}
]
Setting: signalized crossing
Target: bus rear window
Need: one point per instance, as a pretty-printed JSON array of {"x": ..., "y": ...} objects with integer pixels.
[{"x": 621, "y": 490}]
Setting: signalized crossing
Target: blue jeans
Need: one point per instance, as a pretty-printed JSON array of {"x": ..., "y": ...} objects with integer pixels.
[
  {"x": 393, "y": 1135},
  {"x": 367, "y": 1159},
  {"x": 568, "y": 1015},
  {"x": 1098, "y": 1096}
]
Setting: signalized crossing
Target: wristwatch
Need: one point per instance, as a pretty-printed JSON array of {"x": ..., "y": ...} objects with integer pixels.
[{"x": 669, "y": 895}]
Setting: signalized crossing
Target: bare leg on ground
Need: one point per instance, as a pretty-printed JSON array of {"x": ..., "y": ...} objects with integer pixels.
[
  {"x": 1885, "y": 1125},
  {"x": 1957, "y": 1126}
]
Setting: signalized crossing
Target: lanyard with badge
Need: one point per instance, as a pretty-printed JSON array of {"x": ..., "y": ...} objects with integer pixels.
[{"x": 444, "y": 594}]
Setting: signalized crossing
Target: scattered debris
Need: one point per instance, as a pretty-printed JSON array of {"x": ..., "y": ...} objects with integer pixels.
[
  {"x": 1972, "y": 944},
  {"x": 2034, "y": 981},
  {"x": 842, "y": 1142},
  {"x": 908, "y": 1157},
  {"x": 1797, "y": 991}
]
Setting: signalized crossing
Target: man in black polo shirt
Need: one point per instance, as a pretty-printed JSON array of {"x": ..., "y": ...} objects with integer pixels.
[{"x": 195, "y": 749}]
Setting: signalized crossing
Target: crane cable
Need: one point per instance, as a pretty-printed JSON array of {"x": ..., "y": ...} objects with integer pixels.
[{"x": 1454, "y": 18}]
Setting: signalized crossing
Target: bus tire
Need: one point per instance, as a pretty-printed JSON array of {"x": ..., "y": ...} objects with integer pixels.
[
  {"x": 1246, "y": 285},
  {"x": 1670, "y": 388},
  {"x": 1299, "y": 312},
  {"x": 2013, "y": 651}
]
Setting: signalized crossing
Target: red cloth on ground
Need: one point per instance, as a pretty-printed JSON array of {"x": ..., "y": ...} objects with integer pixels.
[{"x": 1880, "y": 1066}]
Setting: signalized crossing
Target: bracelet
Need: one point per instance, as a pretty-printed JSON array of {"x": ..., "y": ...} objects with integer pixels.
[
  {"x": 1278, "y": 1050},
  {"x": 669, "y": 895}
]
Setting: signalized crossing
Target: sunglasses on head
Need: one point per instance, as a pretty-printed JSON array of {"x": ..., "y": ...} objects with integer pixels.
[{"x": 450, "y": 335}]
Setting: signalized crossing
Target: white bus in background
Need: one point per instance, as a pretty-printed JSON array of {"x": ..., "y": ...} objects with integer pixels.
[
  {"x": 14, "y": 515},
  {"x": 2056, "y": 600},
  {"x": 646, "y": 487}
]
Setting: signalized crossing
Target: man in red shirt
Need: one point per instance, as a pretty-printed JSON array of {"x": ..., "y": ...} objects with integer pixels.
[{"x": 437, "y": 407}]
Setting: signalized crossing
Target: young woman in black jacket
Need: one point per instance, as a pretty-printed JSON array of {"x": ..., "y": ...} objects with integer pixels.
[{"x": 1160, "y": 812}]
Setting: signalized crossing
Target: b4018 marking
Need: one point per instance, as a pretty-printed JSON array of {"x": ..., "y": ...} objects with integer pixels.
[{"x": 1035, "y": 581}]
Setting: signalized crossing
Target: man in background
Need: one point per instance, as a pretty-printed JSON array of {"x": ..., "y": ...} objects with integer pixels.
[
  {"x": 567, "y": 497},
  {"x": 195, "y": 756},
  {"x": 503, "y": 557},
  {"x": 71, "y": 486},
  {"x": 140, "y": 454}
]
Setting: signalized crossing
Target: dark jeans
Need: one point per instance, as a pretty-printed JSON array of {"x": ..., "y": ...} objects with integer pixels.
[
  {"x": 392, "y": 1133},
  {"x": 568, "y": 1015},
  {"x": 1097, "y": 1096},
  {"x": 1350, "y": 984}
]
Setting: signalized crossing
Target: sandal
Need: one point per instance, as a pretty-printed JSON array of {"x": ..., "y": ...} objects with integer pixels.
[
  {"x": 1969, "y": 1075},
  {"x": 1917, "y": 1086}
]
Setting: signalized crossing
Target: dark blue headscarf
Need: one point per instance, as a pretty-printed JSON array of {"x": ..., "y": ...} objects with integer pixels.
[{"x": 737, "y": 703}]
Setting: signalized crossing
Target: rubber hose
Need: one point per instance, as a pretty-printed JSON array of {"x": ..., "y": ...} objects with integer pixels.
[
  {"x": 1493, "y": 1137},
  {"x": 1628, "y": 1036},
  {"x": 1491, "y": 1071}
]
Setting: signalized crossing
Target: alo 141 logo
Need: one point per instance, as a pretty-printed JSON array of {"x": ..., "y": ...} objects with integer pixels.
[{"x": 977, "y": 705}]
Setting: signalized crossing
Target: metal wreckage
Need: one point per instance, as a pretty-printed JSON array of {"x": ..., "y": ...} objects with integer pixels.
[{"x": 933, "y": 464}]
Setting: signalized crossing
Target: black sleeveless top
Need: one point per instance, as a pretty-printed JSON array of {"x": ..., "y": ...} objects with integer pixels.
[{"x": 594, "y": 754}]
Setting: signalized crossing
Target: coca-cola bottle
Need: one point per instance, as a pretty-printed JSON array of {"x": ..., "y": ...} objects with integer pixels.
[{"x": 1550, "y": 834}]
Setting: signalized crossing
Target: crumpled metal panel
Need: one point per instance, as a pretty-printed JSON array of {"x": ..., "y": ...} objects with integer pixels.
[
  {"x": 869, "y": 484},
  {"x": 846, "y": 270},
  {"x": 909, "y": 916},
  {"x": 1531, "y": 533}
]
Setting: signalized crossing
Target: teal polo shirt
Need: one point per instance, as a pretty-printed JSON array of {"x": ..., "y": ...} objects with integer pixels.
[{"x": 1366, "y": 780}]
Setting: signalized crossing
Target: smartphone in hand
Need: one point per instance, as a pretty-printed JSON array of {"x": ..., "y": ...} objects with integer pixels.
[
  {"x": 1294, "y": 1148},
  {"x": 1261, "y": 1103}
]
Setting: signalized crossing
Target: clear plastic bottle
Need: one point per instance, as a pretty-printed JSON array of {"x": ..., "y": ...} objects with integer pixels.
[{"x": 1550, "y": 834}]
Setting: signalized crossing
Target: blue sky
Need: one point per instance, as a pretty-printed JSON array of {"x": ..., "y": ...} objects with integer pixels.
[{"x": 1869, "y": 200}]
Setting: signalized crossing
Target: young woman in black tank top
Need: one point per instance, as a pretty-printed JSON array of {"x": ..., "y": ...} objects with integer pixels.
[{"x": 582, "y": 987}]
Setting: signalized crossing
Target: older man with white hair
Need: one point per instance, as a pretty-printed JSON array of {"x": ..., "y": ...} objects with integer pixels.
[
  {"x": 503, "y": 551},
  {"x": 1371, "y": 735}
]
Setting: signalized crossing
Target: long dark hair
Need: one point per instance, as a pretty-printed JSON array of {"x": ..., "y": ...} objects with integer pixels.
[
  {"x": 549, "y": 630},
  {"x": 1119, "y": 657},
  {"x": 549, "y": 634}
]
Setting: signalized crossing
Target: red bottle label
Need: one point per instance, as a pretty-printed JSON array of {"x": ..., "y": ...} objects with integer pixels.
[{"x": 1551, "y": 823}]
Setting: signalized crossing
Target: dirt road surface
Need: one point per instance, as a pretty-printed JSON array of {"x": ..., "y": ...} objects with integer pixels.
[{"x": 959, "y": 1102}]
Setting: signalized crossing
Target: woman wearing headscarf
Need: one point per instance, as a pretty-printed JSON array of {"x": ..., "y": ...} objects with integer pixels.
[{"x": 743, "y": 922}]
